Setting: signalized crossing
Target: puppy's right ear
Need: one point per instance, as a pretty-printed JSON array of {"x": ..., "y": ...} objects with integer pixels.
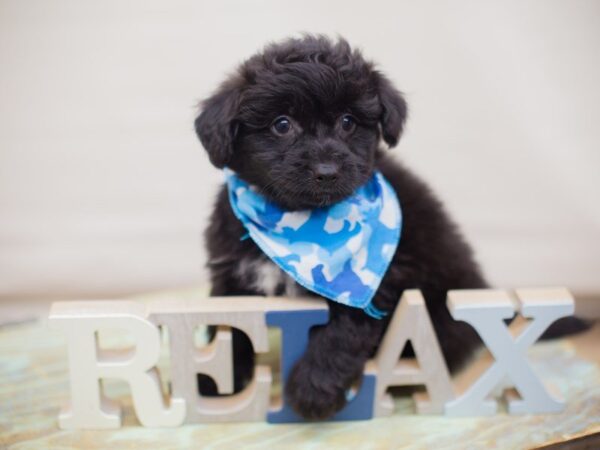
[{"x": 216, "y": 125}]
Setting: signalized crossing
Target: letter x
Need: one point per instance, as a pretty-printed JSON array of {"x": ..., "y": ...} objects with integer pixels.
[{"x": 486, "y": 310}]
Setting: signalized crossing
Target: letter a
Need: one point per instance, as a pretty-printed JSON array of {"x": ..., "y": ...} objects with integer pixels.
[{"x": 411, "y": 322}]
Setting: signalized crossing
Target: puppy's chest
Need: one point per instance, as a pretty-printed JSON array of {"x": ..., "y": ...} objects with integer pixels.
[{"x": 261, "y": 274}]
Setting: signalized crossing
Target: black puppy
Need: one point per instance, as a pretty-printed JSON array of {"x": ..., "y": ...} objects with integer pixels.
[{"x": 303, "y": 122}]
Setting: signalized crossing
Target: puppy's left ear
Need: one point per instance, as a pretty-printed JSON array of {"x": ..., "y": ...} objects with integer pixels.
[
  {"x": 393, "y": 110},
  {"x": 216, "y": 125}
]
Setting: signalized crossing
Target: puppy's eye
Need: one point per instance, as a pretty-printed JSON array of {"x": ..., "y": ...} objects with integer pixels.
[
  {"x": 282, "y": 125},
  {"x": 348, "y": 123}
]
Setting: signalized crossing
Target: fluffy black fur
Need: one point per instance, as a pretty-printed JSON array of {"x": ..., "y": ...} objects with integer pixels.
[{"x": 338, "y": 108}]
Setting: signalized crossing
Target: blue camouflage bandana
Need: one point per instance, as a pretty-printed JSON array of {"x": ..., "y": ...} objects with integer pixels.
[{"x": 340, "y": 252}]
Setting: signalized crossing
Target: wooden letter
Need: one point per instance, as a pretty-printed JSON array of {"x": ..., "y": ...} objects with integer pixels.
[
  {"x": 486, "y": 310},
  {"x": 80, "y": 321},
  {"x": 295, "y": 326},
  {"x": 182, "y": 317},
  {"x": 411, "y": 322}
]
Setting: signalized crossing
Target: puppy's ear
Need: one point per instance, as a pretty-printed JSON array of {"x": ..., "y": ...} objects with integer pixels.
[
  {"x": 216, "y": 125},
  {"x": 394, "y": 110}
]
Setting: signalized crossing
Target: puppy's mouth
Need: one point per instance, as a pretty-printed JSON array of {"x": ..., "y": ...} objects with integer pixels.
[
  {"x": 309, "y": 197},
  {"x": 323, "y": 199}
]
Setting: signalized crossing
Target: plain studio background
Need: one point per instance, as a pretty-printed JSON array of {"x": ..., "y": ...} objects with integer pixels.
[{"x": 105, "y": 190}]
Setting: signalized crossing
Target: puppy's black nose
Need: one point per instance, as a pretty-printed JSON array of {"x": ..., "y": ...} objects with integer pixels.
[{"x": 326, "y": 172}]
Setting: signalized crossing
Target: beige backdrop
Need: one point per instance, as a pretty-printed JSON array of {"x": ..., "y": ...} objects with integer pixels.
[{"x": 104, "y": 188}]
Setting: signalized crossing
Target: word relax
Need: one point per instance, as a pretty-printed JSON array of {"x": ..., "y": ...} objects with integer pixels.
[{"x": 485, "y": 310}]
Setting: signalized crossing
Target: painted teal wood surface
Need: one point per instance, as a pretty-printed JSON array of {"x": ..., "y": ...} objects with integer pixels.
[{"x": 34, "y": 384}]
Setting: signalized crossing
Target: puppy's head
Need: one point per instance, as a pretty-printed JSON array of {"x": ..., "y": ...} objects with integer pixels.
[{"x": 302, "y": 121}]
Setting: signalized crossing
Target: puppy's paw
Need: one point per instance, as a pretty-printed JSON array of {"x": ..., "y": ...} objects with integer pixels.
[{"x": 313, "y": 393}]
